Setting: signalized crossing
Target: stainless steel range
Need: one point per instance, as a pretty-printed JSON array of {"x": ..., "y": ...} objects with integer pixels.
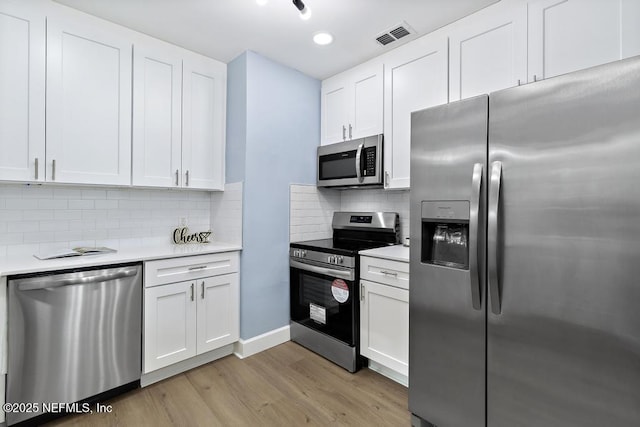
[{"x": 325, "y": 294}]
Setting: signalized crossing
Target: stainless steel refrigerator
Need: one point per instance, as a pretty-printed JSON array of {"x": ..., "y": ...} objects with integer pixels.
[{"x": 525, "y": 255}]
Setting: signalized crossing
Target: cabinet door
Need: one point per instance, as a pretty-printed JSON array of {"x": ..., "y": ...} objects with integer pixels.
[
  {"x": 366, "y": 109},
  {"x": 569, "y": 35},
  {"x": 88, "y": 102},
  {"x": 157, "y": 105},
  {"x": 169, "y": 324},
  {"x": 384, "y": 325},
  {"x": 488, "y": 51},
  {"x": 416, "y": 77},
  {"x": 22, "y": 78},
  {"x": 334, "y": 110},
  {"x": 218, "y": 311},
  {"x": 203, "y": 122}
]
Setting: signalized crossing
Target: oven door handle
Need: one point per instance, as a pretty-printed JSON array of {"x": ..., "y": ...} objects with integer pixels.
[{"x": 341, "y": 274}]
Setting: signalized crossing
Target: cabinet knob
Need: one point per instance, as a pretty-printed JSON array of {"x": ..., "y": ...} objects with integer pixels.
[
  {"x": 177, "y": 177},
  {"x": 36, "y": 166},
  {"x": 53, "y": 170},
  {"x": 202, "y": 293},
  {"x": 350, "y": 131},
  {"x": 344, "y": 133},
  {"x": 186, "y": 183}
]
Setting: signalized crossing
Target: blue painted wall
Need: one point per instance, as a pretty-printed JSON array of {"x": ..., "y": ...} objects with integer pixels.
[{"x": 281, "y": 129}]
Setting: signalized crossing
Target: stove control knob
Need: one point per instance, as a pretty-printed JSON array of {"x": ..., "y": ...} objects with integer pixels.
[
  {"x": 340, "y": 260},
  {"x": 296, "y": 253},
  {"x": 304, "y": 253},
  {"x": 332, "y": 259}
]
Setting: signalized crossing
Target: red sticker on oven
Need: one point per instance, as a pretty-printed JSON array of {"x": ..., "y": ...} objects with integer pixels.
[{"x": 340, "y": 290}]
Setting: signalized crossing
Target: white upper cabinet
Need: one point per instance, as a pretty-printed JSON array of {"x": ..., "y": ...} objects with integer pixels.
[
  {"x": 334, "y": 110},
  {"x": 157, "y": 105},
  {"x": 204, "y": 98},
  {"x": 22, "y": 92},
  {"x": 569, "y": 35},
  {"x": 488, "y": 51},
  {"x": 88, "y": 101},
  {"x": 352, "y": 103},
  {"x": 416, "y": 77}
]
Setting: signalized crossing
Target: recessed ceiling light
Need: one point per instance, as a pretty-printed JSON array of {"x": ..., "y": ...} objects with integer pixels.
[
  {"x": 322, "y": 38},
  {"x": 261, "y": 2}
]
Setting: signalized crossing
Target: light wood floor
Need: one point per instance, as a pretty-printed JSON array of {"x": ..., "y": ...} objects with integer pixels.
[{"x": 284, "y": 386}]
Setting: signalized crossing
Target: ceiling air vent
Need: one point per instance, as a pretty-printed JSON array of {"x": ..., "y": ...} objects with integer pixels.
[
  {"x": 385, "y": 39},
  {"x": 394, "y": 33}
]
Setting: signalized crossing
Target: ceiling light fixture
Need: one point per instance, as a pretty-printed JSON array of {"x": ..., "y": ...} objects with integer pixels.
[
  {"x": 305, "y": 12},
  {"x": 322, "y": 38}
]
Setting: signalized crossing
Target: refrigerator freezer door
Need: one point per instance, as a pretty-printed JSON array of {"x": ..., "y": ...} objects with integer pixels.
[
  {"x": 564, "y": 349},
  {"x": 446, "y": 307}
]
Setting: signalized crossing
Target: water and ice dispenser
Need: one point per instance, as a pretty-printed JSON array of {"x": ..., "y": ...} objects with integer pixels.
[{"x": 445, "y": 233}]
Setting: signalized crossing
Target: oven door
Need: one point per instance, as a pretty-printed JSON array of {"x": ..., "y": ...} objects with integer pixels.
[{"x": 324, "y": 299}]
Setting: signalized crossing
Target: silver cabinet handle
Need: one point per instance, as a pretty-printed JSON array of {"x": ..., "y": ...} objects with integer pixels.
[
  {"x": 202, "y": 292},
  {"x": 535, "y": 78},
  {"x": 492, "y": 236},
  {"x": 192, "y": 286},
  {"x": 53, "y": 170},
  {"x": 344, "y": 133},
  {"x": 36, "y": 165},
  {"x": 474, "y": 235},
  {"x": 386, "y": 179},
  {"x": 361, "y": 291},
  {"x": 358, "y": 162},
  {"x": 187, "y": 180},
  {"x": 200, "y": 267},
  {"x": 389, "y": 273},
  {"x": 519, "y": 82},
  {"x": 177, "y": 177},
  {"x": 49, "y": 283},
  {"x": 350, "y": 131}
]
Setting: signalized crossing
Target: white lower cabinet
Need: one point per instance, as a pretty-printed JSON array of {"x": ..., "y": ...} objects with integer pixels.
[
  {"x": 384, "y": 314},
  {"x": 169, "y": 325},
  {"x": 191, "y": 317}
]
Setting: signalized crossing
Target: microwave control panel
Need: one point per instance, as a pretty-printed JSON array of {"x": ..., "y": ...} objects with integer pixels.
[{"x": 369, "y": 161}]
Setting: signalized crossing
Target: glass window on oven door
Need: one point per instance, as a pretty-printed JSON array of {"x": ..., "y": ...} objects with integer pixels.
[{"x": 324, "y": 303}]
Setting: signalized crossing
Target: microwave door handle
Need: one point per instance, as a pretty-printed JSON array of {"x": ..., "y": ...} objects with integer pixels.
[{"x": 358, "y": 162}]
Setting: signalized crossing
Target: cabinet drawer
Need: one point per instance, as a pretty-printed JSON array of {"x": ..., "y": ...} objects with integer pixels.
[
  {"x": 190, "y": 267},
  {"x": 380, "y": 270}
]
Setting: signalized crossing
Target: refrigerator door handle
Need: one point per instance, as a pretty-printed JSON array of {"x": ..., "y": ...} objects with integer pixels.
[
  {"x": 492, "y": 236},
  {"x": 474, "y": 233}
]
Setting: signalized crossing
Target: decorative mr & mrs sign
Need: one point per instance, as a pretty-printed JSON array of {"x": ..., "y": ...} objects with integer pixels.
[{"x": 182, "y": 236}]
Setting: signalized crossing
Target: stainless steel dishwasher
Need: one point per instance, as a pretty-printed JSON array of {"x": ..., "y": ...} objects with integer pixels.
[{"x": 73, "y": 335}]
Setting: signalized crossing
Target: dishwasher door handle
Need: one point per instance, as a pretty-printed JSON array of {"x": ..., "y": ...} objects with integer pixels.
[{"x": 48, "y": 283}]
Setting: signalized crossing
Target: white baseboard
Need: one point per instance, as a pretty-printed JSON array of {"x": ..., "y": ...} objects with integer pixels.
[
  {"x": 389, "y": 373},
  {"x": 246, "y": 348}
]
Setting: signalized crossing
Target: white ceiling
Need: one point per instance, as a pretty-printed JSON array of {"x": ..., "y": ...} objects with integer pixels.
[{"x": 223, "y": 29}]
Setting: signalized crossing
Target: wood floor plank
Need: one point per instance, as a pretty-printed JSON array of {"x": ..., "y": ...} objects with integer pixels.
[{"x": 286, "y": 385}]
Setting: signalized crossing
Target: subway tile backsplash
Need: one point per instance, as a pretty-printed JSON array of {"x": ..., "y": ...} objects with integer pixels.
[
  {"x": 312, "y": 208},
  {"x": 311, "y": 211},
  {"x": 226, "y": 214},
  {"x": 38, "y": 219}
]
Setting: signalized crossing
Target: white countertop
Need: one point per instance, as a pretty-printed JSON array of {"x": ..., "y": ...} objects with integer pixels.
[
  {"x": 10, "y": 265},
  {"x": 394, "y": 253}
]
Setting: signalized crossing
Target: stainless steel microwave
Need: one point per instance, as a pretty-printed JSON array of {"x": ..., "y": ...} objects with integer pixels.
[{"x": 351, "y": 163}]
